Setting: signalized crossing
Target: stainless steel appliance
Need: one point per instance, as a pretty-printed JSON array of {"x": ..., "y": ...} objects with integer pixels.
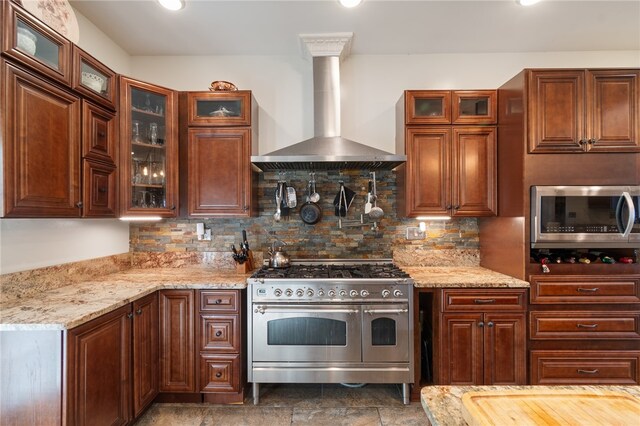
[
  {"x": 330, "y": 321},
  {"x": 585, "y": 216}
]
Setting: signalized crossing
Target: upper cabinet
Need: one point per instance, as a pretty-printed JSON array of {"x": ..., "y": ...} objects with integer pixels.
[
  {"x": 217, "y": 140},
  {"x": 30, "y": 42},
  {"x": 572, "y": 111},
  {"x": 93, "y": 79},
  {"x": 149, "y": 149},
  {"x": 450, "y": 106},
  {"x": 220, "y": 108},
  {"x": 41, "y": 138},
  {"x": 451, "y": 153}
]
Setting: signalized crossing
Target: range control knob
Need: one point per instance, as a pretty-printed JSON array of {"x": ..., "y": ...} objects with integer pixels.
[
  {"x": 332, "y": 293},
  {"x": 386, "y": 293},
  {"x": 310, "y": 292},
  {"x": 343, "y": 293},
  {"x": 353, "y": 293},
  {"x": 277, "y": 292},
  {"x": 320, "y": 292},
  {"x": 364, "y": 293},
  {"x": 288, "y": 292},
  {"x": 299, "y": 292},
  {"x": 397, "y": 293}
]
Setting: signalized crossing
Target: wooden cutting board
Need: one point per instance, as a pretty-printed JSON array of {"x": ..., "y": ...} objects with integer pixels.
[{"x": 550, "y": 407}]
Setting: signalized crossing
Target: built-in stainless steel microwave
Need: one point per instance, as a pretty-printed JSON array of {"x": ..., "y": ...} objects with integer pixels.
[{"x": 585, "y": 216}]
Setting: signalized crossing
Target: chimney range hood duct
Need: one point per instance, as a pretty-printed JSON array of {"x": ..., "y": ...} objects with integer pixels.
[{"x": 327, "y": 150}]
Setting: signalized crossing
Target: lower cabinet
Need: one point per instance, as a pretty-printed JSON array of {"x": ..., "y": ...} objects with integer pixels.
[
  {"x": 201, "y": 344},
  {"x": 103, "y": 368},
  {"x": 99, "y": 370},
  {"x": 482, "y": 337},
  {"x": 584, "y": 329}
]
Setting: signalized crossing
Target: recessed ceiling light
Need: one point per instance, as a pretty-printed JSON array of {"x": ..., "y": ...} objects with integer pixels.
[
  {"x": 526, "y": 2},
  {"x": 172, "y": 4},
  {"x": 350, "y": 3}
]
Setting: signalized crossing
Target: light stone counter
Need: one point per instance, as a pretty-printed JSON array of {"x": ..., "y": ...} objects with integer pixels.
[
  {"x": 67, "y": 307},
  {"x": 443, "y": 404},
  {"x": 466, "y": 276}
]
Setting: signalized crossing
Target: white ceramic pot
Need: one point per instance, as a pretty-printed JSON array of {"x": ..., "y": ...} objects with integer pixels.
[{"x": 27, "y": 41}]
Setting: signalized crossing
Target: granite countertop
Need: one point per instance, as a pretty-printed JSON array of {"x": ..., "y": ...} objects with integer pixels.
[
  {"x": 466, "y": 276},
  {"x": 72, "y": 305},
  {"x": 444, "y": 406}
]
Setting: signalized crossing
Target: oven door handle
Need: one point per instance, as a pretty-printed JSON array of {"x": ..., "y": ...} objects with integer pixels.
[
  {"x": 262, "y": 309},
  {"x": 632, "y": 213},
  {"x": 385, "y": 311}
]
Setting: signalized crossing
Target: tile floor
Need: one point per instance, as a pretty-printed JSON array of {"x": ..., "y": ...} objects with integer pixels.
[{"x": 299, "y": 404}]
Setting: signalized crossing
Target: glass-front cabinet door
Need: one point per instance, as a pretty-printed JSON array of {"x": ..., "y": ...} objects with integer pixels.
[
  {"x": 32, "y": 43},
  {"x": 474, "y": 106},
  {"x": 149, "y": 147},
  {"x": 93, "y": 79},
  {"x": 427, "y": 107},
  {"x": 220, "y": 108}
]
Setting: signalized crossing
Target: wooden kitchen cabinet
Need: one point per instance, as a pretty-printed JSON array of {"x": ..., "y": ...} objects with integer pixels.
[
  {"x": 450, "y": 107},
  {"x": 149, "y": 149},
  {"x": 584, "y": 329},
  {"x": 99, "y": 159},
  {"x": 177, "y": 344},
  {"x": 35, "y": 45},
  {"x": 221, "y": 345},
  {"x": 574, "y": 111},
  {"x": 93, "y": 79},
  {"x": 145, "y": 352},
  {"x": 450, "y": 171},
  {"x": 99, "y": 363},
  {"x": 218, "y": 136},
  {"x": 483, "y": 339},
  {"x": 41, "y": 127}
]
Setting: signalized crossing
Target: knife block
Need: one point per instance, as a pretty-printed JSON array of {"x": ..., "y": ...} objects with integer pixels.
[{"x": 247, "y": 266}]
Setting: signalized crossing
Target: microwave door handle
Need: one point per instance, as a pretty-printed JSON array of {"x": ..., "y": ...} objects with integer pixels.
[{"x": 632, "y": 213}]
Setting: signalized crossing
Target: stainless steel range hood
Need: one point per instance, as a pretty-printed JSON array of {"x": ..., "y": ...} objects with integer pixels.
[{"x": 327, "y": 150}]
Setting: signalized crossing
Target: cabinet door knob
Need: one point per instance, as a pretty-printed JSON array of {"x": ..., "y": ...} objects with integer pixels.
[
  {"x": 490, "y": 324},
  {"x": 218, "y": 333},
  {"x": 480, "y": 324},
  {"x": 102, "y": 134},
  {"x": 582, "y": 141},
  {"x": 102, "y": 189},
  {"x": 456, "y": 207},
  {"x": 218, "y": 374},
  {"x": 139, "y": 311},
  {"x": 130, "y": 315},
  {"x": 245, "y": 208},
  {"x": 449, "y": 207},
  {"x": 592, "y": 141},
  {"x": 218, "y": 301},
  {"x": 79, "y": 204}
]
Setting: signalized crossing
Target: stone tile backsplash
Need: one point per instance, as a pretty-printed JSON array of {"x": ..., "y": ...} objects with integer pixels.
[{"x": 323, "y": 240}]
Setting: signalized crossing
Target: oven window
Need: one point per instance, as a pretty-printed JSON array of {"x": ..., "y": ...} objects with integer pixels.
[
  {"x": 383, "y": 332},
  {"x": 303, "y": 331}
]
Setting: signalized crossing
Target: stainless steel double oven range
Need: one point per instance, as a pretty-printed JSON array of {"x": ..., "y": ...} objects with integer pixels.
[{"x": 330, "y": 321}]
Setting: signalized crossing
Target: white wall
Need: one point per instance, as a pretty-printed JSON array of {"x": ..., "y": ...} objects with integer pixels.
[
  {"x": 33, "y": 243},
  {"x": 371, "y": 85}
]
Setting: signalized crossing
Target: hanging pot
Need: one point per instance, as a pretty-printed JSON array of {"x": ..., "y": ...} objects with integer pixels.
[{"x": 310, "y": 212}]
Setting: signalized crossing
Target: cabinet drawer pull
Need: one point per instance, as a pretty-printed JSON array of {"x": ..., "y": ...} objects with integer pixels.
[
  {"x": 586, "y": 325},
  {"x": 484, "y": 301},
  {"x": 588, "y": 371},
  {"x": 218, "y": 333},
  {"x": 218, "y": 374},
  {"x": 218, "y": 301},
  {"x": 588, "y": 290}
]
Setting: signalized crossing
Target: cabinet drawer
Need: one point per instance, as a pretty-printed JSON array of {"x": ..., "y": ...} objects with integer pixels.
[
  {"x": 587, "y": 289},
  {"x": 219, "y": 373},
  {"x": 219, "y": 301},
  {"x": 585, "y": 367},
  {"x": 220, "y": 333},
  {"x": 483, "y": 300},
  {"x": 584, "y": 325}
]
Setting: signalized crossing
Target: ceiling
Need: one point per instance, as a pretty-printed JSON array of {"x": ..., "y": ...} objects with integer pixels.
[{"x": 380, "y": 27}]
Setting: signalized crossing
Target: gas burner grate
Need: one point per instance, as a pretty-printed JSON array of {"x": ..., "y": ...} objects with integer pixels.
[{"x": 337, "y": 271}]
